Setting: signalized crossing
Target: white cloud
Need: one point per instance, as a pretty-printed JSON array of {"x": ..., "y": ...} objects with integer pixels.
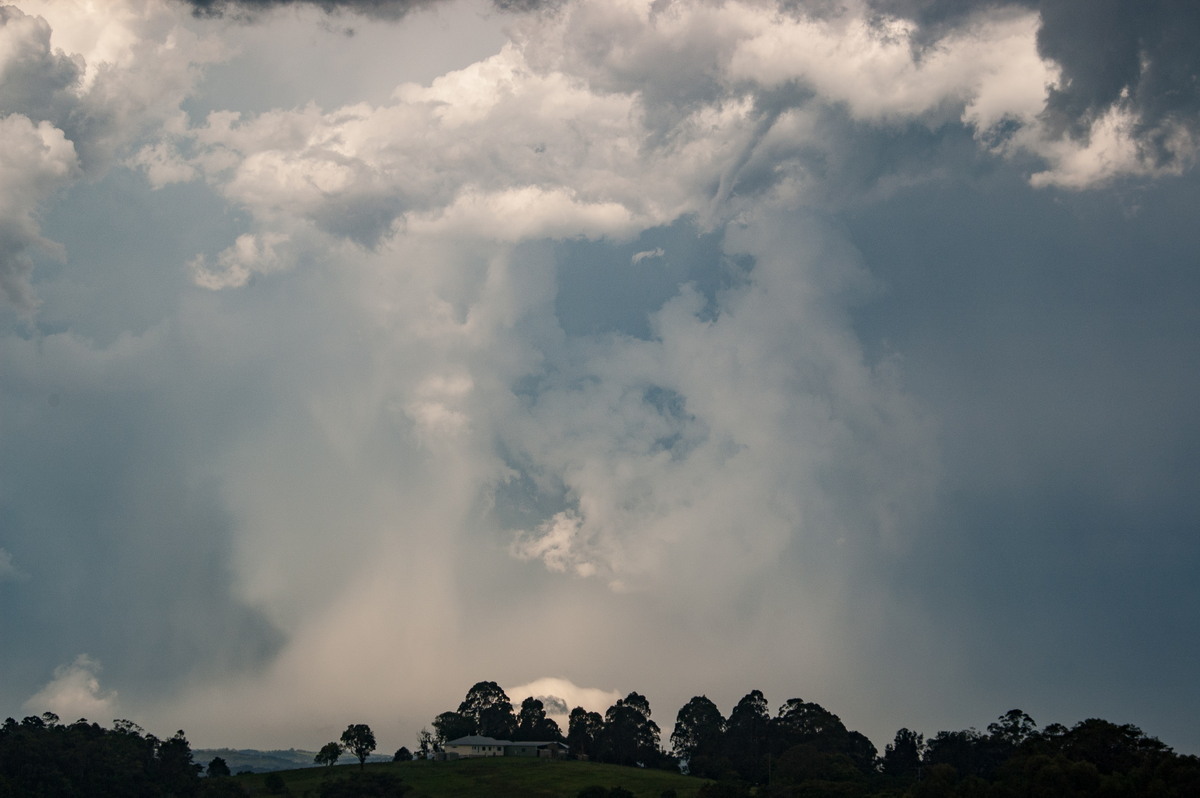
[
  {"x": 645, "y": 254},
  {"x": 593, "y": 699},
  {"x": 234, "y": 267},
  {"x": 668, "y": 449},
  {"x": 1109, "y": 150},
  {"x": 89, "y": 79},
  {"x": 75, "y": 692},
  {"x": 35, "y": 160}
]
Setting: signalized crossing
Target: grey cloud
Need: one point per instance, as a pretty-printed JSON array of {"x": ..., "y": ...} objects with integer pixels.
[
  {"x": 376, "y": 8},
  {"x": 34, "y": 79},
  {"x": 1126, "y": 53},
  {"x": 126, "y": 548},
  {"x": 1137, "y": 55},
  {"x": 380, "y": 9}
]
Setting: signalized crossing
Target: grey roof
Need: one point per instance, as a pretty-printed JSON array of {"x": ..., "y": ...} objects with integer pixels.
[{"x": 475, "y": 739}]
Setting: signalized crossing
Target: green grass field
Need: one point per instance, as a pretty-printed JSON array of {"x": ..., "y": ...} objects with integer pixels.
[{"x": 493, "y": 778}]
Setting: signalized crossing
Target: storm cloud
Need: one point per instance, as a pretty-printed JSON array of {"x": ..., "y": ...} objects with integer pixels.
[{"x": 836, "y": 350}]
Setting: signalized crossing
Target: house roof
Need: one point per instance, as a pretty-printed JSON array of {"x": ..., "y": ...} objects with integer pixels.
[{"x": 476, "y": 739}]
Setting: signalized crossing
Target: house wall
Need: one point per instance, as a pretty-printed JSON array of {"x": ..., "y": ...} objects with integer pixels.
[
  {"x": 475, "y": 750},
  {"x": 521, "y": 750}
]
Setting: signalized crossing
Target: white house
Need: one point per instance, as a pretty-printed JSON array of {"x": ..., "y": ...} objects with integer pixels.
[{"x": 475, "y": 745}]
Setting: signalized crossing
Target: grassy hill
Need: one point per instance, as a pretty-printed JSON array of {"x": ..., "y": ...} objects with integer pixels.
[{"x": 494, "y": 778}]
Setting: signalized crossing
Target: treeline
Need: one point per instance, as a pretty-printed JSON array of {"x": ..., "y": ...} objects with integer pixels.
[
  {"x": 42, "y": 757},
  {"x": 806, "y": 750},
  {"x": 801, "y": 750}
]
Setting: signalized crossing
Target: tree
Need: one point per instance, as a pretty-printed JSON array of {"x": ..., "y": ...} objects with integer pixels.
[
  {"x": 630, "y": 737},
  {"x": 902, "y": 757},
  {"x": 747, "y": 736},
  {"x": 402, "y": 755},
  {"x": 966, "y": 751},
  {"x": 533, "y": 724},
  {"x": 452, "y": 725},
  {"x": 175, "y": 766},
  {"x": 583, "y": 732},
  {"x": 217, "y": 767},
  {"x": 359, "y": 740},
  {"x": 491, "y": 710},
  {"x": 805, "y": 721},
  {"x": 1012, "y": 728},
  {"x": 698, "y": 735},
  {"x": 329, "y": 754},
  {"x": 426, "y": 744},
  {"x": 810, "y": 724}
]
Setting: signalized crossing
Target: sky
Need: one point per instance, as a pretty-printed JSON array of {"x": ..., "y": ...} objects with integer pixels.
[{"x": 352, "y": 353}]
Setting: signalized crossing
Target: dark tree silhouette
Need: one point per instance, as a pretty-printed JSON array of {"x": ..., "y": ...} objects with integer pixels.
[
  {"x": 329, "y": 754},
  {"x": 584, "y": 730},
  {"x": 452, "y": 725},
  {"x": 698, "y": 736},
  {"x": 747, "y": 737},
  {"x": 532, "y": 723},
  {"x": 427, "y": 743},
  {"x": 359, "y": 740},
  {"x": 630, "y": 737},
  {"x": 40, "y": 756},
  {"x": 489, "y": 707},
  {"x": 902, "y": 757}
]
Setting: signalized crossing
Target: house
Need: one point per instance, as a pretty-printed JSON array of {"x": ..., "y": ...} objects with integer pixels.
[{"x": 475, "y": 745}]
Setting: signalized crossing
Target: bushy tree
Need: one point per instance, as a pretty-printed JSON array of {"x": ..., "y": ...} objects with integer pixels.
[
  {"x": 902, "y": 757},
  {"x": 329, "y": 754},
  {"x": 811, "y": 725},
  {"x": 533, "y": 724},
  {"x": 630, "y": 737},
  {"x": 698, "y": 736},
  {"x": 402, "y": 755},
  {"x": 584, "y": 730},
  {"x": 359, "y": 740},
  {"x": 1012, "y": 728},
  {"x": 41, "y": 756},
  {"x": 491, "y": 710},
  {"x": 452, "y": 725},
  {"x": 217, "y": 767},
  {"x": 747, "y": 737}
]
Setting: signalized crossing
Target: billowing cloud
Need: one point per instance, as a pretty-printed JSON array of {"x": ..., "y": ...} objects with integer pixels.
[
  {"x": 78, "y": 83},
  {"x": 75, "y": 692},
  {"x": 36, "y": 159},
  {"x": 560, "y": 696}
]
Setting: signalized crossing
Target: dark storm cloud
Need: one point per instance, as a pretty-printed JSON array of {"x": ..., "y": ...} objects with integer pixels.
[
  {"x": 1130, "y": 53},
  {"x": 125, "y": 557},
  {"x": 1137, "y": 55}
]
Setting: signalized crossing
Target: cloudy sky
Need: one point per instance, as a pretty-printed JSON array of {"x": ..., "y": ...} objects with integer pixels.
[{"x": 355, "y": 352}]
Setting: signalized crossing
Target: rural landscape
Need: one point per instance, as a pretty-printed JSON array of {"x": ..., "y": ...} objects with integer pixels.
[
  {"x": 600, "y": 398},
  {"x": 802, "y": 751}
]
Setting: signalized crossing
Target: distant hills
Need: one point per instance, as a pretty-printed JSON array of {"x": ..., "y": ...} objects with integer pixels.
[{"x": 241, "y": 760}]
